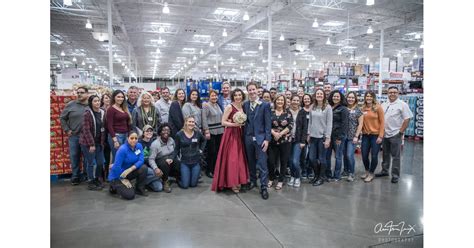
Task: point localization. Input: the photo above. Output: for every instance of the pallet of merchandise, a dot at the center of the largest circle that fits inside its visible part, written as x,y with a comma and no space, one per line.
419,117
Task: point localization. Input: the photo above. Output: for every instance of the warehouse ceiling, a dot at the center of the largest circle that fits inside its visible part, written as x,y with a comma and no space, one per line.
145,36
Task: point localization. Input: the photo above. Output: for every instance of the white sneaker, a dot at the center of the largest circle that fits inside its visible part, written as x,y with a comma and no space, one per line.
291,182
297,183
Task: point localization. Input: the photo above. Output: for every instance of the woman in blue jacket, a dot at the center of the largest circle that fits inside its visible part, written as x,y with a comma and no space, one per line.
128,165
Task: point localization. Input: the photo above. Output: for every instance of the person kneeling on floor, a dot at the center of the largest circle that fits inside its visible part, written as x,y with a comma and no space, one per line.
128,165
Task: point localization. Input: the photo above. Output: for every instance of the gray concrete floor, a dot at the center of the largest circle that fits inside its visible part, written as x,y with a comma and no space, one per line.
338,214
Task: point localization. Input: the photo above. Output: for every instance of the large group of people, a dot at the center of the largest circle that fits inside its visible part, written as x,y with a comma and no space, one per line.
279,139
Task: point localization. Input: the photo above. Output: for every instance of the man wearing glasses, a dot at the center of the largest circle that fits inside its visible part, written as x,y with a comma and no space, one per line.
397,115
71,121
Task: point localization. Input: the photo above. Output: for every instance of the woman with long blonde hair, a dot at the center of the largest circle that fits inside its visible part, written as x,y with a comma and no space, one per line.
145,114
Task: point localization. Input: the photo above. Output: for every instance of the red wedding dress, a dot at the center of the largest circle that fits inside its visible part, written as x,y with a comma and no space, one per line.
231,165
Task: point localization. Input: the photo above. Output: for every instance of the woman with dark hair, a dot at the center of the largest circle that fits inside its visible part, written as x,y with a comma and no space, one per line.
340,126
372,134
162,160
128,165
213,130
266,96
153,182
319,136
302,135
298,134
280,145
92,139
190,144
175,118
193,107
104,105
231,165
119,121
356,121
145,114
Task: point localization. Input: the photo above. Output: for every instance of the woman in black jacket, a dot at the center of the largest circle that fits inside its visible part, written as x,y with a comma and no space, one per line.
306,170
299,133
340,127
176,120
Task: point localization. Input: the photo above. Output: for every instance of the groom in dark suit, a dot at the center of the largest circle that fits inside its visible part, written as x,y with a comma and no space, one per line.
257,136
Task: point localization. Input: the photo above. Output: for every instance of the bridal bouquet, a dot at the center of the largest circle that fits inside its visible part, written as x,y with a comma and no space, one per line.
240,118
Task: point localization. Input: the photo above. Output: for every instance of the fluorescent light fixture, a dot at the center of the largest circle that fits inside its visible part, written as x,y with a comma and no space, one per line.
201,52
211,44
333,23
74,59
369,30
246,16
339,52
67,2
328,42
260,47
370,2
224,33
315,23
63,54
166,10
226,12
371,46
161,29
279,56
88,24
282,37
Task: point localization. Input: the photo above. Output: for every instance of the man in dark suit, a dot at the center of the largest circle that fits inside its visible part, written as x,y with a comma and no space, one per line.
257,136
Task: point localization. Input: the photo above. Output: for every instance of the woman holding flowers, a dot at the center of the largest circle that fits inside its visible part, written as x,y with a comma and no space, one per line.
231,165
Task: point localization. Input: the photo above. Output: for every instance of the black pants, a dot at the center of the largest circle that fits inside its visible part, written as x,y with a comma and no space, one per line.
212,150
116,186
168,169
276,151
107,152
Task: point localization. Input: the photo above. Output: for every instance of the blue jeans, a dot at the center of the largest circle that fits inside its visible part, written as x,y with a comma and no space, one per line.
369,145
121,138
295,160
189,175
317,156
157,185
94,159
75,152
339,150
349,158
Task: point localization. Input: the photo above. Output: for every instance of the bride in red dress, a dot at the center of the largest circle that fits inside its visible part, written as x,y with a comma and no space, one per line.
231,165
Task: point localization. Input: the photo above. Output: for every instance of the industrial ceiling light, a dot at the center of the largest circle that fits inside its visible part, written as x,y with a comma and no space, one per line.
222,63
88,24
241,67
166,10
399,54
63,54
370,30
294,62
243,53
411,62
123,64
115,55
246,16
74,59
119,60
417,36
315,23
339,52
58,66
194,57
279,56
161,29
422,45
95,69
66,66
158,50
415,56
371,46
83,63
370,2
101,38
282,37
160,41
367,59
328,42
260,47
352,57
201,52
224,33
67,2
211,44
90,66
189,62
